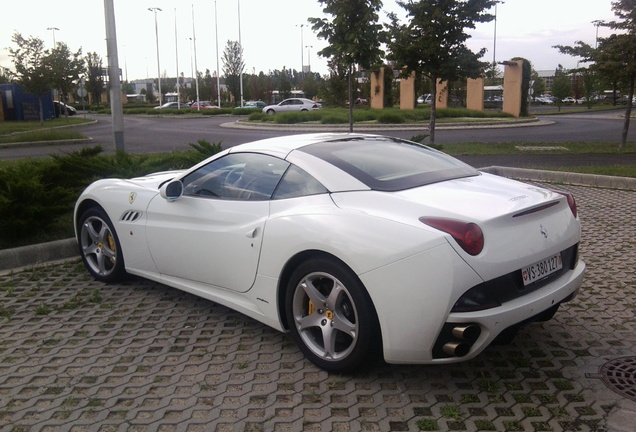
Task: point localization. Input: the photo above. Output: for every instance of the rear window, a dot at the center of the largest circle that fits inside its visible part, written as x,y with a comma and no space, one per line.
390,164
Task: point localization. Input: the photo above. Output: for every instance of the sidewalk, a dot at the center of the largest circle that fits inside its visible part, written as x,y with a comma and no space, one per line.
77,355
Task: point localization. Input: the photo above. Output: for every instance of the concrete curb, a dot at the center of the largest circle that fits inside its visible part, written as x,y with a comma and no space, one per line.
358,127
63,249
593,180
31,255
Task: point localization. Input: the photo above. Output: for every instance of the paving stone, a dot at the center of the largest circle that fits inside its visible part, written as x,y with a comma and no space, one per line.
77,355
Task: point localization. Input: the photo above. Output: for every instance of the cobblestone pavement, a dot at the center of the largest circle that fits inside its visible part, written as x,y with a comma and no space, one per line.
77,355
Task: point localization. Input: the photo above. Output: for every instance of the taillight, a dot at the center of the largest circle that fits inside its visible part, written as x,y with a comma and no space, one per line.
467,234
571,201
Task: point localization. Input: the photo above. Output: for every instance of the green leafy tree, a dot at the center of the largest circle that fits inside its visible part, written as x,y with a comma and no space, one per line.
285,84
538,84
233,66
66,68
433,42
31,68
5,75
354,36
94,77
561,86
614,60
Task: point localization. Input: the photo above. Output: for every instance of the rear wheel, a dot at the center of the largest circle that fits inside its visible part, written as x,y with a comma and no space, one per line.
331,316
99,246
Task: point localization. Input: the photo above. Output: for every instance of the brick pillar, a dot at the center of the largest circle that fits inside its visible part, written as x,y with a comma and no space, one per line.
407,92
475,94
377,89
513,76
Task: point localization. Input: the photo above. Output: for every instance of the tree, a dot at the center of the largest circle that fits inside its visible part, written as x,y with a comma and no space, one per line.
233,66
284,84
561,86
66,68
353,34
615,57
433,43
5,75
94,77
31,69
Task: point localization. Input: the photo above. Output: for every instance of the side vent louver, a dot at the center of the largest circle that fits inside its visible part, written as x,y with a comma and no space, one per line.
131,216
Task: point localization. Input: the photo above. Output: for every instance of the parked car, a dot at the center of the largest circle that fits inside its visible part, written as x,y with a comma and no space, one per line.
568,100
424,99
292,104
172,105
61,109
253,105
544,100
361,246
203,105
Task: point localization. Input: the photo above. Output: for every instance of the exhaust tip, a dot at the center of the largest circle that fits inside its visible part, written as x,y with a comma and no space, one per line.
468,332
456,349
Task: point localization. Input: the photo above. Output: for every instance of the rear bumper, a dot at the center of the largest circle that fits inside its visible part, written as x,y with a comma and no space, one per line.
535,306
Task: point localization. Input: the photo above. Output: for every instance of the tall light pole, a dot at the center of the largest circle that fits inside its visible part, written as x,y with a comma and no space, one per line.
241,46
597,23
196,67
176,52
53,30
125,62
113,76
302,59
218,78
309,47
494,47
155,9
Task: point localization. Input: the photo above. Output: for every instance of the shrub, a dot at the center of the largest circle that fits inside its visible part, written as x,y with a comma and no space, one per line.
390,117
37,196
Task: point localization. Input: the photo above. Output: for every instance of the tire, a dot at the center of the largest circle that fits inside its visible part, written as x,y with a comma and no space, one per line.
271,111
331,316
99,246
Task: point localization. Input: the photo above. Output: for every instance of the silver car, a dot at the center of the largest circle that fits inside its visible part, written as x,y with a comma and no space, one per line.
292,104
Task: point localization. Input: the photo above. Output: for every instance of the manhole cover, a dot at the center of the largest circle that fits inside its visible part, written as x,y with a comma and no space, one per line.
620,376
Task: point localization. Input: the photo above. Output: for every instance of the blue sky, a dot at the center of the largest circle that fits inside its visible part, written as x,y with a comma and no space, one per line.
271,31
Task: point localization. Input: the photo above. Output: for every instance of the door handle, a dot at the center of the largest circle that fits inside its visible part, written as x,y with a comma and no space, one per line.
251,233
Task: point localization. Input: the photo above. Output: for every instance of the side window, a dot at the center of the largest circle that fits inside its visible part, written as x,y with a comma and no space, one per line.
296,183
237,176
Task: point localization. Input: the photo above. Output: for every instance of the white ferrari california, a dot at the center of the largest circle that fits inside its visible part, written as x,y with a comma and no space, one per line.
360,246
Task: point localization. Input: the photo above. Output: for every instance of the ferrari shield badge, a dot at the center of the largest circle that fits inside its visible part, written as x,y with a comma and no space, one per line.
131,197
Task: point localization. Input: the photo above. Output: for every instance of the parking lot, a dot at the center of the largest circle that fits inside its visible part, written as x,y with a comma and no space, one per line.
77,355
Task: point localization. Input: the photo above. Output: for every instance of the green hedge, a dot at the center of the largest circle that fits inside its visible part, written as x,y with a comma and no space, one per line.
37,196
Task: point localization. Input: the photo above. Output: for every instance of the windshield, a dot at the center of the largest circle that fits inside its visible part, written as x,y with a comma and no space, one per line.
390,164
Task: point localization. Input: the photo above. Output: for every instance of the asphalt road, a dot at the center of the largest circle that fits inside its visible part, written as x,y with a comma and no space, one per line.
150,134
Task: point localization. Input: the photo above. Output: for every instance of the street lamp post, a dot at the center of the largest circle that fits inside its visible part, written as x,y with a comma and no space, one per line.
241,46
155,9
309,47
302,59
53,30
196,67
597,23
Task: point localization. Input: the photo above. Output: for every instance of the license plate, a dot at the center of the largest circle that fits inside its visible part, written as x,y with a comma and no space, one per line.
541,269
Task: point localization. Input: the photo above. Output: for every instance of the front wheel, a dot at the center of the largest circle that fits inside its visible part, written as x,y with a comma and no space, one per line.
99,246
331,316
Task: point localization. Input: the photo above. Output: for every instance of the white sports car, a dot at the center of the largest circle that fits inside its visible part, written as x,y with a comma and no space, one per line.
361,246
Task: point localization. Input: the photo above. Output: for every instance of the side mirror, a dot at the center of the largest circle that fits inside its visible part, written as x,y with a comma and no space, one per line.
172,190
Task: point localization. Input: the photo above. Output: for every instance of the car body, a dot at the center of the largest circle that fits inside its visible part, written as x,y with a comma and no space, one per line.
61,109
254,104
361,246
172,105
203,105
292,104
568,100
425,99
